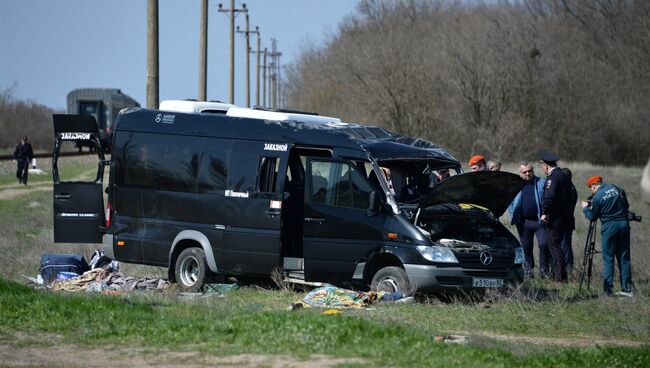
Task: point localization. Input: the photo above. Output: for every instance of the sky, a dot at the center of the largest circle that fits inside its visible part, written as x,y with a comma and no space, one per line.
48,48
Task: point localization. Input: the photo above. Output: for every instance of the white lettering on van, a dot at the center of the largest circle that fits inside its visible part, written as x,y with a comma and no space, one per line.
232,193
75,136
165,119
276,147
67,214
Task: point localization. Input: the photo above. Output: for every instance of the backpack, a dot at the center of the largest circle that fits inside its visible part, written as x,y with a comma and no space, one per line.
52,264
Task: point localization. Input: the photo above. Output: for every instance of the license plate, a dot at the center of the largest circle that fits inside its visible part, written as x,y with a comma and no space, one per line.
487,283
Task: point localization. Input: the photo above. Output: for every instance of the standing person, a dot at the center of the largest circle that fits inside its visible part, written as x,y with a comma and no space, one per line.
494,165
525,213
477,163
556,209
23,154
610,204
567,242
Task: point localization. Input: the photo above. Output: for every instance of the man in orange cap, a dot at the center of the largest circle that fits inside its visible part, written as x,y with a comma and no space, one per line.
609,203
477,163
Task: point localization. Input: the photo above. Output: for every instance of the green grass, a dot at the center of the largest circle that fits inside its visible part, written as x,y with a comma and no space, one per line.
251,320
68,170
234,325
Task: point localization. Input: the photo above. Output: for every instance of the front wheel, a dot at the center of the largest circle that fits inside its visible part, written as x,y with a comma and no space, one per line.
191,269
393,280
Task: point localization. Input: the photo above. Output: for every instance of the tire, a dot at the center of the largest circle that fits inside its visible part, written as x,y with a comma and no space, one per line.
191,269
392,279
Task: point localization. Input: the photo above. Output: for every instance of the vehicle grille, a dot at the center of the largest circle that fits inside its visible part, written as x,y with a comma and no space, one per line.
501,259
487,273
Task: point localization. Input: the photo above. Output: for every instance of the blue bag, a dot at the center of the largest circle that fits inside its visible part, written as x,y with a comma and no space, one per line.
52,264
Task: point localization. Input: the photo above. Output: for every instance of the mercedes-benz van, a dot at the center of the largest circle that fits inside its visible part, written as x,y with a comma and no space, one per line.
316,199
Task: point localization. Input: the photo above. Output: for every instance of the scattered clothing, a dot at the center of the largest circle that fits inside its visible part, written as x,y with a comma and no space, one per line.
330,296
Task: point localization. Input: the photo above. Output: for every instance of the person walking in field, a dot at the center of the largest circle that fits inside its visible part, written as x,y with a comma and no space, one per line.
23,155
609,203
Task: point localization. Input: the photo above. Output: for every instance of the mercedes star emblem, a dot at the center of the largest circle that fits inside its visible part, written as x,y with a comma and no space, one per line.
486,257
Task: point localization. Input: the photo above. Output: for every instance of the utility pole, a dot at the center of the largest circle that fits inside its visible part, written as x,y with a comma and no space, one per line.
203,52
152,54
264,79
247,33
275,72
232,11
257,81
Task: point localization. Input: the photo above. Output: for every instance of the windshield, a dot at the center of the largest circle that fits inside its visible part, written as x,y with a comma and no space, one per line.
411,180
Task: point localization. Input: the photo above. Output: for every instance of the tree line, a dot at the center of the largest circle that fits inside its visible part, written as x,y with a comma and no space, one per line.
502,78
20,118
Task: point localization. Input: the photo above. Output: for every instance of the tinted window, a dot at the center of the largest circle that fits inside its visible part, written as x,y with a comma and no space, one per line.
214,166
159,161
268,174
339,184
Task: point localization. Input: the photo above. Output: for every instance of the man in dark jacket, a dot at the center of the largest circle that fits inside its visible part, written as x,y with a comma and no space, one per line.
556,209
567,240
23,154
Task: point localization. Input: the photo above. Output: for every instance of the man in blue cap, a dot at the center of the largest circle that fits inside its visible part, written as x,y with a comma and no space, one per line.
556,209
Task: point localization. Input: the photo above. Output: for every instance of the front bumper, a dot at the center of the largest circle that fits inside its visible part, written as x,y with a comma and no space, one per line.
427,278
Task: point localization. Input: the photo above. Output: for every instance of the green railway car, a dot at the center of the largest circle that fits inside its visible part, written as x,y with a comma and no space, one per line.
102,103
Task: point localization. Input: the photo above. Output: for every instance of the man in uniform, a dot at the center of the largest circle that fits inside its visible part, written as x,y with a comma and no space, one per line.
556,209
477,163
609,203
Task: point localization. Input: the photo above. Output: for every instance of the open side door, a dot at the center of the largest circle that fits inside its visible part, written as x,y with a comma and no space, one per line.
78,205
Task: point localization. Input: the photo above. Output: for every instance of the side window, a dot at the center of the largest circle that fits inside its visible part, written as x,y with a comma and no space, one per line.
267,175
339,184
160,162
214,167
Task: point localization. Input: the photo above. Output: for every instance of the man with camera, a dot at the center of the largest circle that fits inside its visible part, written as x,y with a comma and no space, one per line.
609,203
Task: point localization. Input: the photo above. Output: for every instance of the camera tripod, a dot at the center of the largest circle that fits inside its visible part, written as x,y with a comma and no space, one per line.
588,255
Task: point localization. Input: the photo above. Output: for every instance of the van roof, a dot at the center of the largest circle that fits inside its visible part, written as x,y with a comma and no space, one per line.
378,142
192,106
280,115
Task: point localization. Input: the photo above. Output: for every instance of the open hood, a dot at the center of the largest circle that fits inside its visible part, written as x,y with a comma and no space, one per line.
493,190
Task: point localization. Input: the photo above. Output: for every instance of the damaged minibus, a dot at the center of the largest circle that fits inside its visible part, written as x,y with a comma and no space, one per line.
252,193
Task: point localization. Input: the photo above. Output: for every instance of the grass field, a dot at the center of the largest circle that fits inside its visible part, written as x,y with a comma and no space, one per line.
539,324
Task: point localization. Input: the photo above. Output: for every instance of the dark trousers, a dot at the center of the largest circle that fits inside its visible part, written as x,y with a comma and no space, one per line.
616,243
555,232
528,231
22,169
567,249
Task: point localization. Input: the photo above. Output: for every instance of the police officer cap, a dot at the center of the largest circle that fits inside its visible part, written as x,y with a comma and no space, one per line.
547,156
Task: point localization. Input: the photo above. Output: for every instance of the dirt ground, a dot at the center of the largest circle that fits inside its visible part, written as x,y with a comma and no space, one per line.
19,353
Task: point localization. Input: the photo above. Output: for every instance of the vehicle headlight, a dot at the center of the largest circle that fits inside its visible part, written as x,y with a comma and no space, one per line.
519,255
437,254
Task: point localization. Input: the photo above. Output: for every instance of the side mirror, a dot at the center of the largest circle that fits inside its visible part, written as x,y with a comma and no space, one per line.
374,199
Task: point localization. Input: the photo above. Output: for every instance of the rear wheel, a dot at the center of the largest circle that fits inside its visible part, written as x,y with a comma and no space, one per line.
393,280
191,269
